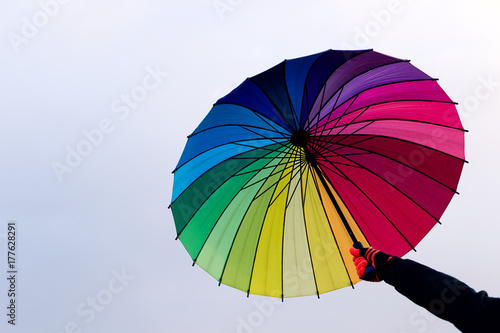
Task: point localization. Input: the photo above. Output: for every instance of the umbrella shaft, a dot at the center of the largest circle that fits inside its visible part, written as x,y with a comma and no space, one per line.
335,204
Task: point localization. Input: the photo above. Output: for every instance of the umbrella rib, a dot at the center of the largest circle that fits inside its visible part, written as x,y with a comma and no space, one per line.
305,100
272,202
340,163
298,183
275,106
375,205
237,231
258,243
354,77
224,144
339,118
272,174
327,166
390,158
411,142
284,218
347,145
265,119
399,101
374,136
353,133
290,104
264,168
307,121
258,114
329,114
263,136
241,158
331,229
354,122
196,211
402,100
305,165
283,176
344,126
274,130
316,125
343,175
215,224
371,152
281,145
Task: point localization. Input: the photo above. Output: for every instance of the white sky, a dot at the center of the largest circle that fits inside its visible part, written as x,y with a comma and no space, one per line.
67,74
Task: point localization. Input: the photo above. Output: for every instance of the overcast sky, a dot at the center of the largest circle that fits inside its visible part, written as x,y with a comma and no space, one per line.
97,98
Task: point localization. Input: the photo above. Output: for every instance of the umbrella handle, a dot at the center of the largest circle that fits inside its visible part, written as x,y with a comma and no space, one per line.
370,272
357,245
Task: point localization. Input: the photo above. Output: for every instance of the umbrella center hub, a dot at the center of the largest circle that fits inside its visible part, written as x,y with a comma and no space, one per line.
300,138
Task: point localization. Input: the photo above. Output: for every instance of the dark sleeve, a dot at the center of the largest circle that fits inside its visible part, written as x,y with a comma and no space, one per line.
444,296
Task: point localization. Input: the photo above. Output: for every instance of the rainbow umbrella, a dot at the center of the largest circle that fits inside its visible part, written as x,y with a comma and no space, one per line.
299,162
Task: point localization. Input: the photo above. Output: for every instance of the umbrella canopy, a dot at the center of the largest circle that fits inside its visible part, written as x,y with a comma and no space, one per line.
300,161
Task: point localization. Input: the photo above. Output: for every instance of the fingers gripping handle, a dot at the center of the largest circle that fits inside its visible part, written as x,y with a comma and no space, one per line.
369,272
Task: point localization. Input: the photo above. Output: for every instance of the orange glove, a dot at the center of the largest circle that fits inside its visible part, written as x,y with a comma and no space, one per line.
370,263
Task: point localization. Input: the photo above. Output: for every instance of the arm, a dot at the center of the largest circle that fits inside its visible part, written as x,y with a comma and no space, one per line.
441,294
444,296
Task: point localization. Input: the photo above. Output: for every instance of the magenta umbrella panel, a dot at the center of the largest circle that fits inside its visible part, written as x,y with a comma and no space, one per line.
310,156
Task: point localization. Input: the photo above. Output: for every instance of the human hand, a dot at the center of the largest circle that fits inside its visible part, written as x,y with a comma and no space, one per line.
366,260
